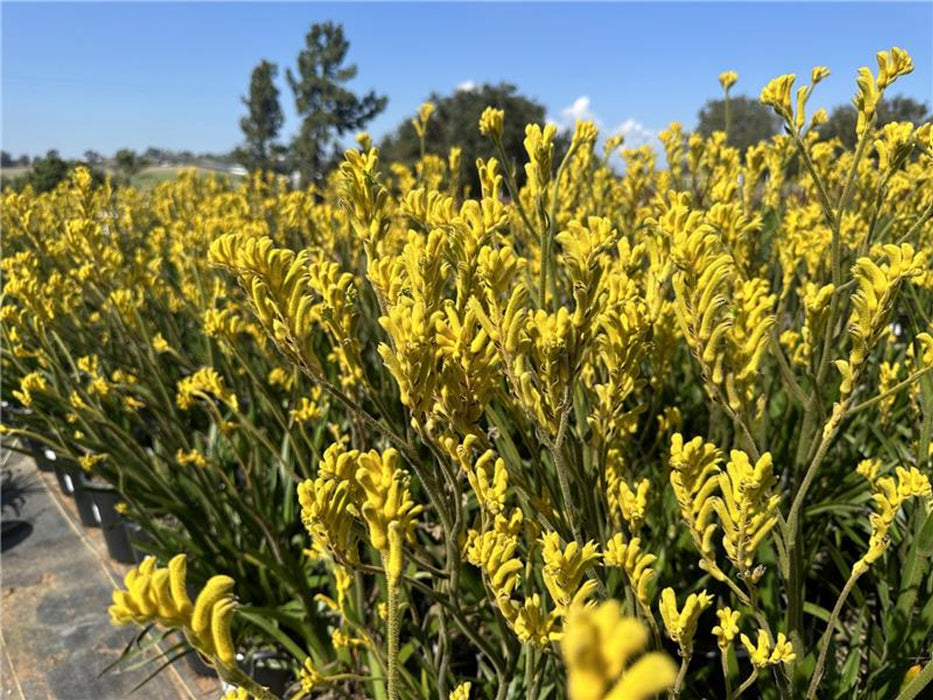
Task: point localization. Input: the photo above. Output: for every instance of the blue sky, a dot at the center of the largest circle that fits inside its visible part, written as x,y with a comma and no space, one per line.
111,75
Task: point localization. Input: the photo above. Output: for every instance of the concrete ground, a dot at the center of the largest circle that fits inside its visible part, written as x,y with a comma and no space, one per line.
55,634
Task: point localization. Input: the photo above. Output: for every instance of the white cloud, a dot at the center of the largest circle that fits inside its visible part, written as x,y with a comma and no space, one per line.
635,133
580,109
466,86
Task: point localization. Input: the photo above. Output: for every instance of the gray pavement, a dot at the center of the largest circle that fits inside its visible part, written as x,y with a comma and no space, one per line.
55,634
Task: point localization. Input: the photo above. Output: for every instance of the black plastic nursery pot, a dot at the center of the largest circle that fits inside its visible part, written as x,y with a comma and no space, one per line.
42,455
67,475
84,500
75,483
271,670
139,539
113,525
196,664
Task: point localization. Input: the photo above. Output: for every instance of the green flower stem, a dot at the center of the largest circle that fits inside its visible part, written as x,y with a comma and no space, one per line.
727,115
747,684
681,674
392,638
787,374
530,663
510,183
893,390
923,679
830,626
548,265
235,676
724,661
927,213
792,531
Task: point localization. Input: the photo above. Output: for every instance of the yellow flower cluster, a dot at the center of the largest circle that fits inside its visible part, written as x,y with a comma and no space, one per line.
205,383
371,487
564,568
889,495
681,625
599,647
871,303
635,563
768,652
156,594
741,496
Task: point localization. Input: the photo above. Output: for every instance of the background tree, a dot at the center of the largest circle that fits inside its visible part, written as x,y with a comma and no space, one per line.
327,108
6,160
842,119
127,162
749,120
154,154
455,122
264,119
46,173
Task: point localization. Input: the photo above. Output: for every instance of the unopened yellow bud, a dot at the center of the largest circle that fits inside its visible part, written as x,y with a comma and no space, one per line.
221,620
776,95
491,123
727,79
217,588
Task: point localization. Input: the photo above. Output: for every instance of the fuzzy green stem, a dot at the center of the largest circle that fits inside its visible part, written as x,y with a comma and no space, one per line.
922,680
392,641
828,634
724,661
893,390
747,684
238,678
681,674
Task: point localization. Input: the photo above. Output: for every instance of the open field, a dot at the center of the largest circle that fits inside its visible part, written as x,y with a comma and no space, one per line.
145,179
149,177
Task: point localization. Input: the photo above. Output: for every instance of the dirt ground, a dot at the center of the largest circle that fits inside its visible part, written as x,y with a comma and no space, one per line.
56,639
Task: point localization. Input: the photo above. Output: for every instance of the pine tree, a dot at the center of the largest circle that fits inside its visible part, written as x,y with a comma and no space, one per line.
328,109
261,126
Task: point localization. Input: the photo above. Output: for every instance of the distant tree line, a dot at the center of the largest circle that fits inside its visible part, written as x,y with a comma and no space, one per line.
43,173
329,110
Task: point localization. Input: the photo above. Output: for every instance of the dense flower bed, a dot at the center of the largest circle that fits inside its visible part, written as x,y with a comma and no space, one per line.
603,435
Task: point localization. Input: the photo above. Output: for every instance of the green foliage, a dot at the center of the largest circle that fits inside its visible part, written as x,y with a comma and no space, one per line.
749,121
128,162
46,173
454,124
327,108
262,124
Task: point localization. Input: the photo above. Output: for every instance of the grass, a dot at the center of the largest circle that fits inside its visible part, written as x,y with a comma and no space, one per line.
147,178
